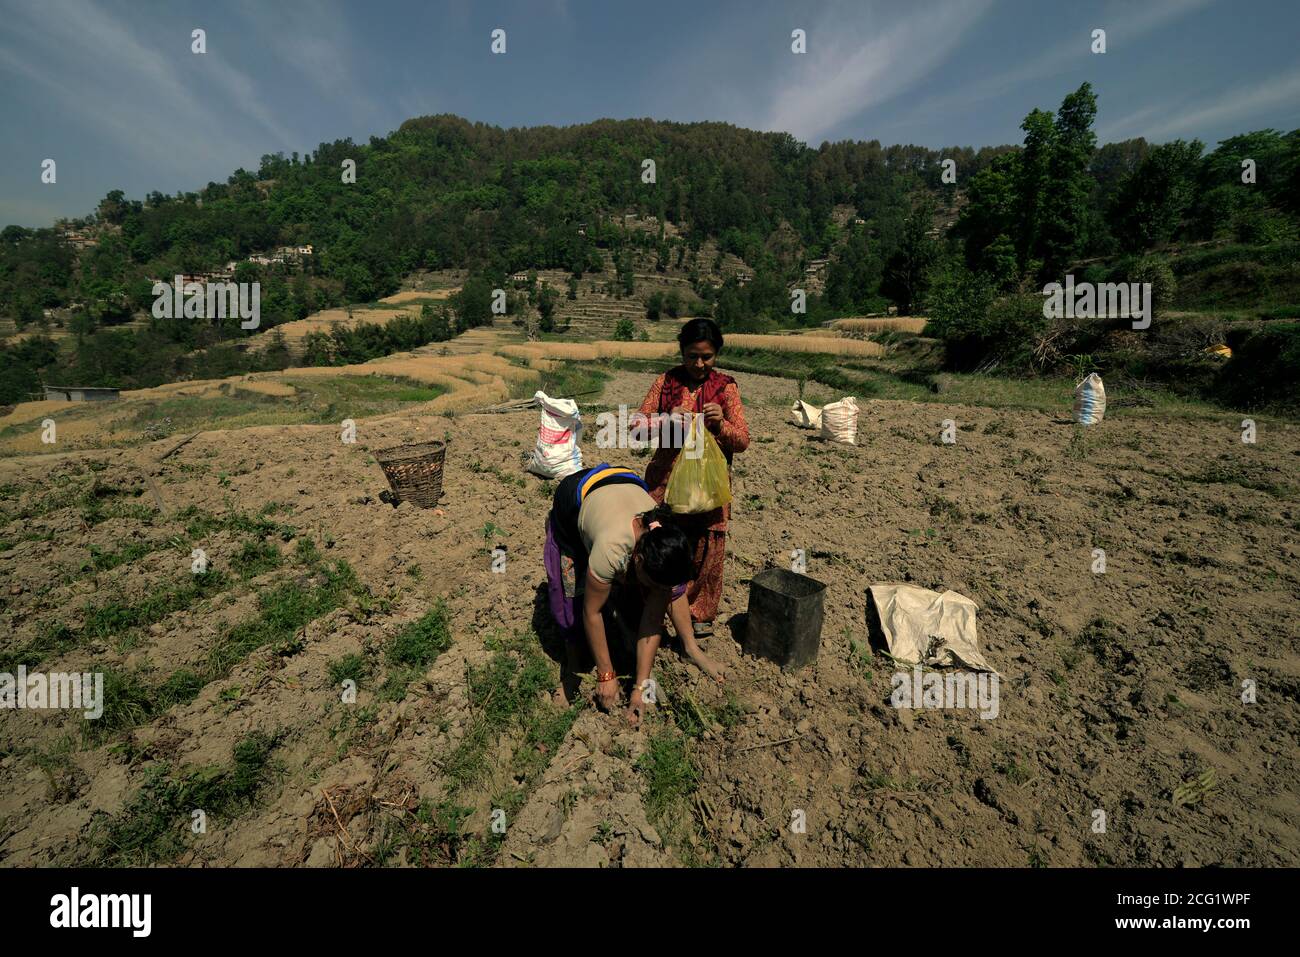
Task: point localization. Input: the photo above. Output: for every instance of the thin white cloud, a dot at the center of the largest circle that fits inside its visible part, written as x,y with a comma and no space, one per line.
853,64
103,73
1124,24
315,40
1238,106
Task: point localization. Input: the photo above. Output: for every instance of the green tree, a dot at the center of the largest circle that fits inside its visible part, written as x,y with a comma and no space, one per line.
546,308
907,272
1065,204
1150,204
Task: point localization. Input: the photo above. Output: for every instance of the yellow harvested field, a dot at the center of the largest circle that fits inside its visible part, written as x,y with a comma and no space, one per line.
475,370
26,411
71,434
414,295
590,351
471,382
298,330
604,349
820,344
405,303
886,324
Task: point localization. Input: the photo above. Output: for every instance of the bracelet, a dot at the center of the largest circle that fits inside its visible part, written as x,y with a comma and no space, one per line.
607,676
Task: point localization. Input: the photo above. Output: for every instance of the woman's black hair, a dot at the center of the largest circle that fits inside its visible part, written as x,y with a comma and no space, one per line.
665,551
700,330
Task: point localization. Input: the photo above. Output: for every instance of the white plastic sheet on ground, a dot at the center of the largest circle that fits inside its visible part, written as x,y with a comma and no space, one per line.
924,627
806,416
556,453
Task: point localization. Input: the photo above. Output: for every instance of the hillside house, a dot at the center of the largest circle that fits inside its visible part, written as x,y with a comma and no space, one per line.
78,393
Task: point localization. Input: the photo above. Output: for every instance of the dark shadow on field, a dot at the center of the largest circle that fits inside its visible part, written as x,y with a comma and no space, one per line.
572,653
556,646
737,624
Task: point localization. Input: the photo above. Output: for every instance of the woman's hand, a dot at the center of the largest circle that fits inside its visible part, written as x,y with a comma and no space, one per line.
607,693
636,707
712,414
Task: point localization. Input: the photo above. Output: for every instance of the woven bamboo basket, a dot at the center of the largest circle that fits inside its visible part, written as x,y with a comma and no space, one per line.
414,472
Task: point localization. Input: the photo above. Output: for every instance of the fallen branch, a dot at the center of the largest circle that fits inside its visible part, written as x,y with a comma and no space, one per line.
769,744
343,831
179,445
518,405
157,496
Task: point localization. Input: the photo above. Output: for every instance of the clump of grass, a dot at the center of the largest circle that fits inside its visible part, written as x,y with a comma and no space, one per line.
284,610
257,557
131,700
306,552
1232,474
66,780
53,638
730,714
115,617
434,834
152,828
670,779
102,561
1009,765
201,524
1098,636
941,507
353,667
414,649
502,693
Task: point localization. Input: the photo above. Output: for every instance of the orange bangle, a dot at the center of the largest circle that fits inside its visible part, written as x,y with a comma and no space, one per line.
608,676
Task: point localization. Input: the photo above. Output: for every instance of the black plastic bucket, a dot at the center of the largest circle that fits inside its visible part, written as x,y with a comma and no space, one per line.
784,624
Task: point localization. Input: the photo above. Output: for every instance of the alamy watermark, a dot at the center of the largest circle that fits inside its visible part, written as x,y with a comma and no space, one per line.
57,690
209,300
637,430
1087,300
75,909
930,689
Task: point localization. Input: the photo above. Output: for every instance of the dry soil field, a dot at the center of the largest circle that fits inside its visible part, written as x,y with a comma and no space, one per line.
1117,689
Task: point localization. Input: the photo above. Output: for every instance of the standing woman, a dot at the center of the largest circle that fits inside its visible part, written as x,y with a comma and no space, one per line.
696,386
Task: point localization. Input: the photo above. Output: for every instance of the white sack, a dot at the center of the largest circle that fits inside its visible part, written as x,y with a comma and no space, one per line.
556,453
1089,400
840,421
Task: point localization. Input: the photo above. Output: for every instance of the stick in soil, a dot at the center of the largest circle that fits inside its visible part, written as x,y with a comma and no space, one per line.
769,744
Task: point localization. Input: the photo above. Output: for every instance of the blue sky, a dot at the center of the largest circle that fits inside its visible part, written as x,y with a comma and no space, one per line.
111,90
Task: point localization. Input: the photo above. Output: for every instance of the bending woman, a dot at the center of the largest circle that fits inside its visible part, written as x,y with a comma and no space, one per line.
608,544
696,386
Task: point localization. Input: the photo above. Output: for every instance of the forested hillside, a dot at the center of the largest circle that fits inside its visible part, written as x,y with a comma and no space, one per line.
896,225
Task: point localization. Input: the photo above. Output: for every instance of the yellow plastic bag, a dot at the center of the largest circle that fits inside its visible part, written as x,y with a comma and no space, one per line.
699,480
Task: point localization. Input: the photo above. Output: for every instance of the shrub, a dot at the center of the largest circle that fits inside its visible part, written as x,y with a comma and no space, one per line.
1264,370
1163,285
979,328
624,330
